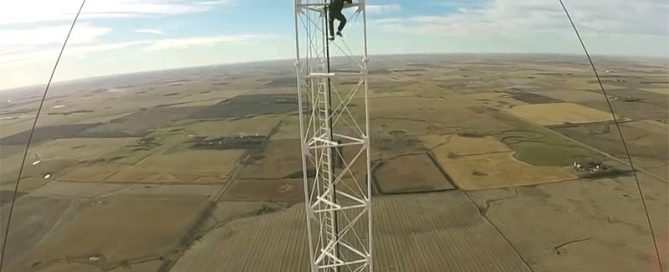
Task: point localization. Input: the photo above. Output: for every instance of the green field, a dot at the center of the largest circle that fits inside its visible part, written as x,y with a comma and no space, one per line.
544,148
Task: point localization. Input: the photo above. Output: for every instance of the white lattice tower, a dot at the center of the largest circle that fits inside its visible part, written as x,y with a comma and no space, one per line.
334,132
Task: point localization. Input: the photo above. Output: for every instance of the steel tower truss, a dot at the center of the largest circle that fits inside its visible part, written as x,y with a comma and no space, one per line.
334,132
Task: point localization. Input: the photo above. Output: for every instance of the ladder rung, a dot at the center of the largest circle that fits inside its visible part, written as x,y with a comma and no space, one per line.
320,75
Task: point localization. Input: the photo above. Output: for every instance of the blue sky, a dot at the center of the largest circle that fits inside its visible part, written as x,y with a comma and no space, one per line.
121,36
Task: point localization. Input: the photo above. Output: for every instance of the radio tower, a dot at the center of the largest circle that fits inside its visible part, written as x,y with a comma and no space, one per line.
334,133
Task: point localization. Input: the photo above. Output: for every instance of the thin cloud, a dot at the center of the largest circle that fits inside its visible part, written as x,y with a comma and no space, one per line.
36,11
182,43
381,9
50,35
150,31
81,51
37,54
33,54
526,17
36,44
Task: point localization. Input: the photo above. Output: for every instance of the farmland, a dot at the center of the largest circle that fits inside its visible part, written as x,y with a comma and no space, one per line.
473,167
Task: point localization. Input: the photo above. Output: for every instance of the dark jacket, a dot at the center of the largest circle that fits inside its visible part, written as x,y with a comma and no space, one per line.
338,5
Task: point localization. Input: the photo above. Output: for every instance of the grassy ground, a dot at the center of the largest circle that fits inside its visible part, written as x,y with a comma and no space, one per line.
559,113
410,174
543,148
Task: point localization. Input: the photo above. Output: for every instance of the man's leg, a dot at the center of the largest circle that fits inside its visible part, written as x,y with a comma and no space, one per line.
342,22
331,19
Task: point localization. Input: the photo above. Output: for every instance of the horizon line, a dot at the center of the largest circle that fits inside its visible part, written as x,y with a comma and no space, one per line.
75,80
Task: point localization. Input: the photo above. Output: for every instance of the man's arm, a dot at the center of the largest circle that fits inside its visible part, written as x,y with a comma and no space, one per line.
349,1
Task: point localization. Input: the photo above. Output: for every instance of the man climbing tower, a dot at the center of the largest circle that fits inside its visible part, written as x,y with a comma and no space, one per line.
336,6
